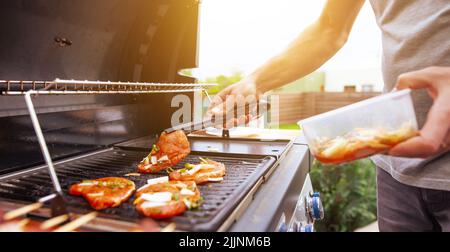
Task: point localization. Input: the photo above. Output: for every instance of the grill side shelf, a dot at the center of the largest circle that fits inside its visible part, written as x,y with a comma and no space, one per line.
212,146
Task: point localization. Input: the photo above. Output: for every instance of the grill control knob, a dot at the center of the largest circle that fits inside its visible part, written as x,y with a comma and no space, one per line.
314,207
308,228
283,227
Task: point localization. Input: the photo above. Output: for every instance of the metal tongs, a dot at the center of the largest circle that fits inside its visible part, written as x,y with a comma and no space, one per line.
187,128
57,203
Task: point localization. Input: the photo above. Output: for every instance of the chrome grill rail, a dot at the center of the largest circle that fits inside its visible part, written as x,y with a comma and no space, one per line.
60,87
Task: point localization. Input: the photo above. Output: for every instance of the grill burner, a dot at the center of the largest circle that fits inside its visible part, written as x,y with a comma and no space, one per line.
220,199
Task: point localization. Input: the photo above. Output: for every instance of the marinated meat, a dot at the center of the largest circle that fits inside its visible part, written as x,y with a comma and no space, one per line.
167,199
168,151
207,171
359,143
104,192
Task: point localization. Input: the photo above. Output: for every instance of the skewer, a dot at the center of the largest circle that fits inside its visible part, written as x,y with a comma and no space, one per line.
71,226
169,228
26,209
147,225
22,211
23,223
14,226
50,223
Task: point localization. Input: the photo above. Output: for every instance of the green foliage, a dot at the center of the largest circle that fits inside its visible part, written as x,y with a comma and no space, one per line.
293,126
223,81
348,194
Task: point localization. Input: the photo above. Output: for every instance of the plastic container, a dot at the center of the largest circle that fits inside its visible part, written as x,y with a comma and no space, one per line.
361,129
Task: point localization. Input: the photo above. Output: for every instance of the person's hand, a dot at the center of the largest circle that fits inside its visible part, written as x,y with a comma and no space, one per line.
434,137
242,92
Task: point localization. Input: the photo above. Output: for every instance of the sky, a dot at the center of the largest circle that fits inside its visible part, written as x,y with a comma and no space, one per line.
243,34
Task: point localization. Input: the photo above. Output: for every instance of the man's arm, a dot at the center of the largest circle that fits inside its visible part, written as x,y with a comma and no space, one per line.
315,45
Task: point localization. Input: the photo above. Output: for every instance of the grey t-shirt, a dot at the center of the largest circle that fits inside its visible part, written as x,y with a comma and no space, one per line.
416,35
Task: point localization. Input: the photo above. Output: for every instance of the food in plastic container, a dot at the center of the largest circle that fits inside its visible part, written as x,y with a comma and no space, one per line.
362,129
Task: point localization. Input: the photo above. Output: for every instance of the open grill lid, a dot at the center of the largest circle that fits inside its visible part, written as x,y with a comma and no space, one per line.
138,41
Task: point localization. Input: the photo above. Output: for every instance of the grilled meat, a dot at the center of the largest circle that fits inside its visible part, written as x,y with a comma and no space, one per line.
167,199
168,151
104,192
207,171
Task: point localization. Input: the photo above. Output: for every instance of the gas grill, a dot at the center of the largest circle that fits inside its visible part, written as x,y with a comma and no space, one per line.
97,129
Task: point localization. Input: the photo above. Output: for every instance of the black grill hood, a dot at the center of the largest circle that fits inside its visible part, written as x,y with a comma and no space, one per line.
117,40
97,40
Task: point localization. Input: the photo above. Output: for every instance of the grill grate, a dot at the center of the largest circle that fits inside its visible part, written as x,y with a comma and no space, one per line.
219,198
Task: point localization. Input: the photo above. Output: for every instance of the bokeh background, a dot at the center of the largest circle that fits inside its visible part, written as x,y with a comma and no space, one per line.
236,36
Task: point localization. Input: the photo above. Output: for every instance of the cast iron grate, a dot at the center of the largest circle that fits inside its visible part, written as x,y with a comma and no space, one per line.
220,199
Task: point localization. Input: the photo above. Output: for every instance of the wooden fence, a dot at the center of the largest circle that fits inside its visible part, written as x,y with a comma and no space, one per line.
296,106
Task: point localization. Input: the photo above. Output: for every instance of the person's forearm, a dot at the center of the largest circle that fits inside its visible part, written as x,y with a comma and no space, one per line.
318,43
307,53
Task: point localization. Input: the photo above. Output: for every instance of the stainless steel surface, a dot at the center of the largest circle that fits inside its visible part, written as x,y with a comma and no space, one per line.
47,198
217,146
301,216
13,87
277,196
